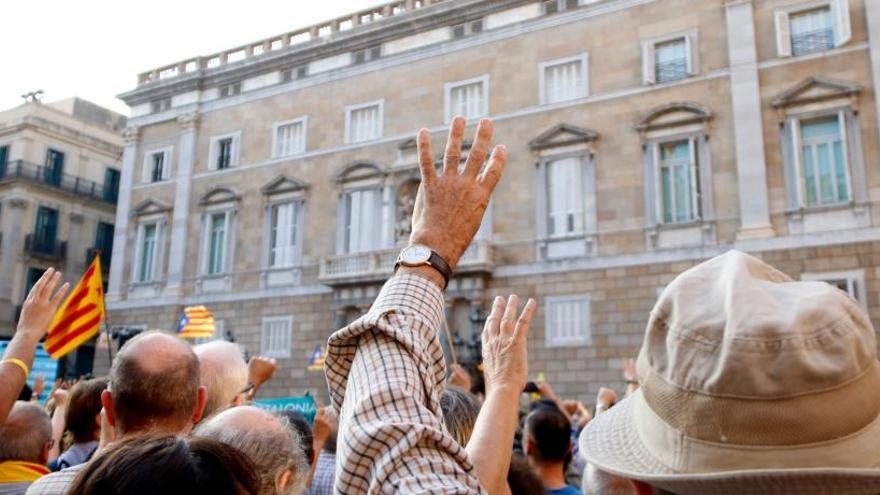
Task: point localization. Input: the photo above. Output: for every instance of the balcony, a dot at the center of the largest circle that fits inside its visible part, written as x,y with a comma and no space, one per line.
45,248
377,266
19,169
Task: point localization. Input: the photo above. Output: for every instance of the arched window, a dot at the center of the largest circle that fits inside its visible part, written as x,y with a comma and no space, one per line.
361,225
283,232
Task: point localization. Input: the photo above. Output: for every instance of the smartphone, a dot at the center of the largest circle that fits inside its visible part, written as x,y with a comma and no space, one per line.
531,388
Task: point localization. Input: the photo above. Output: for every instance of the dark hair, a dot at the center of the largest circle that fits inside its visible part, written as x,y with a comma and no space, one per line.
300,424
142,398
83,406
522,478
550,431
149,465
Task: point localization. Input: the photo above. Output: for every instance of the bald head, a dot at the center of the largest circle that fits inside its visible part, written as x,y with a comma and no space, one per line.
25,434
224,374
154,384
269,443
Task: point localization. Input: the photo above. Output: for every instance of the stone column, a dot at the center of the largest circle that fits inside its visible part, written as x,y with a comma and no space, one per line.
186,155
123,214
872,19
745,97
12,245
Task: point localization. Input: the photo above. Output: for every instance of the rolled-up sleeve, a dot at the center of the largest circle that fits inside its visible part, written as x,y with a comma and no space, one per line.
385,372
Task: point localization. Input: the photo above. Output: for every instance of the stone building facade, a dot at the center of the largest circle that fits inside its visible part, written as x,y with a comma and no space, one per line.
59,181
644,136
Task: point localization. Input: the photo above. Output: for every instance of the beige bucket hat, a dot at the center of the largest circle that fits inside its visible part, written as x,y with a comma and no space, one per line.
750,383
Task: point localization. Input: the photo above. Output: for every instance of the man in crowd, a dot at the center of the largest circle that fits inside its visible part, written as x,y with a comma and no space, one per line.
154,388
547,443
273,447
750,383
224,374
24,447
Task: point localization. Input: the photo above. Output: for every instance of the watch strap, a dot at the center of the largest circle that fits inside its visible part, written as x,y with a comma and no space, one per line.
441,265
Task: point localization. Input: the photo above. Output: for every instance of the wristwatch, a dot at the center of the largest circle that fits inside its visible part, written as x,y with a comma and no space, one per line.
420,255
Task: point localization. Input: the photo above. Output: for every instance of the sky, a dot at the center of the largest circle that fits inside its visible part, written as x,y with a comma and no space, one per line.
94,49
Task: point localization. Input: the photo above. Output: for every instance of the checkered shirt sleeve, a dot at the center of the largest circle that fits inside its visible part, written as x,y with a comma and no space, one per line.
386,372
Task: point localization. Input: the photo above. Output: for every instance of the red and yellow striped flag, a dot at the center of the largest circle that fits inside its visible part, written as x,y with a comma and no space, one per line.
195,323
80,317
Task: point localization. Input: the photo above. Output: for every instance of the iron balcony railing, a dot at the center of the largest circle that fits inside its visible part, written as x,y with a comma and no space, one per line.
812,41
48,248
75,185
671,70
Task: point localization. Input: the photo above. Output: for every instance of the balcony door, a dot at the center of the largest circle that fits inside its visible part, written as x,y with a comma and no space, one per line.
111,185
54,167
46,229
363,220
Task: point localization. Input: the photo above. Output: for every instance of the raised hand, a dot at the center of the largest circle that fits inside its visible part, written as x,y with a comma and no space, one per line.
505,357
41,304
261,369
450,204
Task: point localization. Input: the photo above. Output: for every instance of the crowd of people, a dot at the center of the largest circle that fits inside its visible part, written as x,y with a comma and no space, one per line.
747,382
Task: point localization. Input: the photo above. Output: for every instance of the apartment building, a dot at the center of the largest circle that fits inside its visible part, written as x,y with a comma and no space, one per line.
274,182
59,183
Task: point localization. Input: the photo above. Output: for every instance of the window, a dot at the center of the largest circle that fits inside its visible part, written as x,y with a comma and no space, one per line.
4,159
104,242
285,244
290,138
157,165
216,240
148,241
553,6
367,54
851,282
276,336
467,28
677,166
230,90
563,80
160,105
467,98
565,194
670,58
567,321
364,122
823,154
111,184
45,230
296,73
224,151
54,167
362,220
812,28
33,276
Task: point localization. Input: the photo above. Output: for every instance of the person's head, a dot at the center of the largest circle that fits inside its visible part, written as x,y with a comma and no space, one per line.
83,417
273,447
522,479
460,409
224,373
25,435
547,436
147,465
300,424
743,375
154,386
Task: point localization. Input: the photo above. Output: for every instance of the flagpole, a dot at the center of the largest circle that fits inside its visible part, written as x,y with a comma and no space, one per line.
449,340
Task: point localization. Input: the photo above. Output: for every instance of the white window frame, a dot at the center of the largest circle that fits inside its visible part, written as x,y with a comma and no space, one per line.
840,18
855,282
551,337
692,44
278,349
229,242
447,97
579,227
304,122
694,179
797,155
214,150
157,250
584,89
297,247
147,168
360,106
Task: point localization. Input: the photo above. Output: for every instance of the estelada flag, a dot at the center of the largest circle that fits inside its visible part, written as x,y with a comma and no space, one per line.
316,362
196,322
79,318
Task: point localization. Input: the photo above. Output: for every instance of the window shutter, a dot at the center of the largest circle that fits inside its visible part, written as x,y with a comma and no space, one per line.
695,177
648,68
341,248
842,24
650,182
690,48
543,200
790,164
783,35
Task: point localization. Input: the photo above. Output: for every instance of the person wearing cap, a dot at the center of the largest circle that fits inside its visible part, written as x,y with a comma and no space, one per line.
750,383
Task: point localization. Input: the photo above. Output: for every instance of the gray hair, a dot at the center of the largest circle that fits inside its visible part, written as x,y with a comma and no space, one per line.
273,450
224,373
25,433
460,409
596,482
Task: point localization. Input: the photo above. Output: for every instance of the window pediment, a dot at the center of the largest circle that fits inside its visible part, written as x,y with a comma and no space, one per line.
563,135
150,207
220,194
816,89
283,184
359,171
676,114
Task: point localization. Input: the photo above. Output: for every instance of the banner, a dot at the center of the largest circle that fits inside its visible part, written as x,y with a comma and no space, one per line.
304,405
43,366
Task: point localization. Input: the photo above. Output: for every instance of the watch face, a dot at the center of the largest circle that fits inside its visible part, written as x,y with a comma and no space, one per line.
415,255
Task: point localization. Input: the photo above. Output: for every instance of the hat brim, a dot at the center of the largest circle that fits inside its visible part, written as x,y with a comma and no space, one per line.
611,443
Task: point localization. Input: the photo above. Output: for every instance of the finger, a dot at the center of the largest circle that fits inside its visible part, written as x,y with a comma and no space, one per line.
525,320
452,155
426,158
494,320
507,322
51,284
59,296
492,174
477,154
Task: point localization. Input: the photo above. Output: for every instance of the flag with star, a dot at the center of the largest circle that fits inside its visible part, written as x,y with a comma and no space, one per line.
196,322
